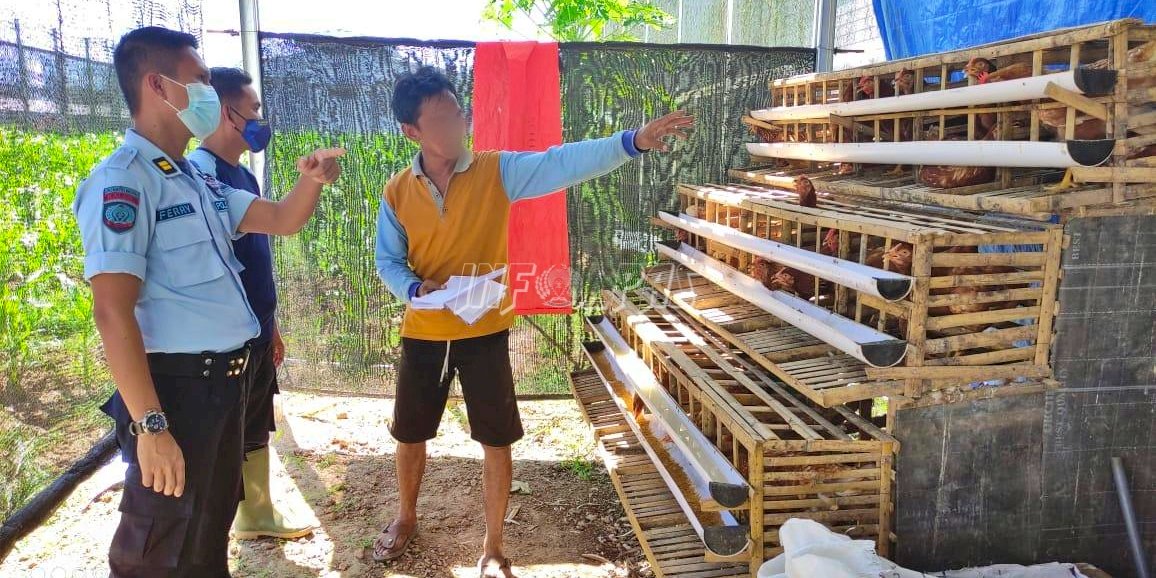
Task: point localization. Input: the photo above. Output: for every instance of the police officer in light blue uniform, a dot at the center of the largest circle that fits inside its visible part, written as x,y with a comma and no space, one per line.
171,310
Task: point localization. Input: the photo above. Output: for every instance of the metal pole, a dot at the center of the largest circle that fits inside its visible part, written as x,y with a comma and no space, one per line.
730,11
25,90
1137,547
824,35
251,61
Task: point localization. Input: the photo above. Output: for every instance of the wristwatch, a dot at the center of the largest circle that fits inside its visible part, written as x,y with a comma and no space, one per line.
153,422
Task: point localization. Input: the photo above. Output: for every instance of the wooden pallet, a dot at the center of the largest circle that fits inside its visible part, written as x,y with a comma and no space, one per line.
664,533
796,454
971,317
1128,184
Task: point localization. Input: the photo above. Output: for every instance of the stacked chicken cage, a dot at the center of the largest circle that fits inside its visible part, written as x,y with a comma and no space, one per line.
899,245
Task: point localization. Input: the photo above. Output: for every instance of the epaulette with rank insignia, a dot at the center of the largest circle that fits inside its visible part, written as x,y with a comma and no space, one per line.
165,166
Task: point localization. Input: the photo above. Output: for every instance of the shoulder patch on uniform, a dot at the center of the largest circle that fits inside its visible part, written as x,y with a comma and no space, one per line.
213,184
175,212
221,205
120,208
165,166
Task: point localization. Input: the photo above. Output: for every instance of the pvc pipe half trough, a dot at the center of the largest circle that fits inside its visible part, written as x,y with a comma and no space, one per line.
1082,80
727,485
886,285
864,343
978,153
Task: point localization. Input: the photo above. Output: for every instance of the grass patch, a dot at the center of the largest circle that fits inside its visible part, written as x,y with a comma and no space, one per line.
581,467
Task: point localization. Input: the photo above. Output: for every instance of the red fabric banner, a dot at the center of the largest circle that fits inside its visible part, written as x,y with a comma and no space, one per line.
518,107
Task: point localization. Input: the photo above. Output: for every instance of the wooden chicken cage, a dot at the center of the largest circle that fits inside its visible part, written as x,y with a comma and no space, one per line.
832,465
975,316
1113,62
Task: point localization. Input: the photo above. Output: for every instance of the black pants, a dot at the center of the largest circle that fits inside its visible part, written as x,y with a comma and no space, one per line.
162,536
423,382
259,419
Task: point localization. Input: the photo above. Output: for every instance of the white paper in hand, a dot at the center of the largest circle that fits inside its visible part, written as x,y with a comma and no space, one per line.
468,297
454,288
484,296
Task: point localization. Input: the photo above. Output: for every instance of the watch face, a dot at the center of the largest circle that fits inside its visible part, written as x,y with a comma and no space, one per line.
155,423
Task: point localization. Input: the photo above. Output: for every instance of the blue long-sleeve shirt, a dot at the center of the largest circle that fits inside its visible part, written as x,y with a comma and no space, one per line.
525,175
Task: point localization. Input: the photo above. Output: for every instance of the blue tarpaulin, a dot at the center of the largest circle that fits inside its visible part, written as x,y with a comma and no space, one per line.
915,27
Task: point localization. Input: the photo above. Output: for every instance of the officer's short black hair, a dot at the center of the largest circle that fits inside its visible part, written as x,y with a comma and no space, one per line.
143,51
415,88
229,82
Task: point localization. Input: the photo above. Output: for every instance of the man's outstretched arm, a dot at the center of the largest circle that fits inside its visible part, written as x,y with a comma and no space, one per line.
526,175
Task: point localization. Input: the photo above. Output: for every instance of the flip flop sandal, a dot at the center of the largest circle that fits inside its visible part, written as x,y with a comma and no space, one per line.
505,567
394,540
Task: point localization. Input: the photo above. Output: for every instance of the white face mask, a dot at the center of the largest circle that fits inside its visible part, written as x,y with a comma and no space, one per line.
204,111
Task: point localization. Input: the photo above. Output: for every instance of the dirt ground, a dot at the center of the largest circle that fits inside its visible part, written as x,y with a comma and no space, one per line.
337,468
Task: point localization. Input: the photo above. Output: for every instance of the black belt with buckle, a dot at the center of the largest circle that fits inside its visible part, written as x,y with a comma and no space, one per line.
205,365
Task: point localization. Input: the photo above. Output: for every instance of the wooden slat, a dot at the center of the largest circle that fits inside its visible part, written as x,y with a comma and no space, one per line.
1020,259
1023,294
982,317
964,373
988,358
983,339
947,281
774,460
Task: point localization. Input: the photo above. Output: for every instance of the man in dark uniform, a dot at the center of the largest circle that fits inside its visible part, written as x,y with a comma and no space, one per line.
242,129
171,311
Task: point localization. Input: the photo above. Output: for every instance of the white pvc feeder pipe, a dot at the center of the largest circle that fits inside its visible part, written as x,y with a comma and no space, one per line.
872,347
726,485
979,153
728,539
886,285
1083,81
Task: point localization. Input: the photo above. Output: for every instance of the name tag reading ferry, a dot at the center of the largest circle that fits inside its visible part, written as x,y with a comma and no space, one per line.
175,212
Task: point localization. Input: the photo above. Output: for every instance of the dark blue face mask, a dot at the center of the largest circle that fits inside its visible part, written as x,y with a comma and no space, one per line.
256,133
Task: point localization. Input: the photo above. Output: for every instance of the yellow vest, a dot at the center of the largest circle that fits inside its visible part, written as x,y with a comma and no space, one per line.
467,238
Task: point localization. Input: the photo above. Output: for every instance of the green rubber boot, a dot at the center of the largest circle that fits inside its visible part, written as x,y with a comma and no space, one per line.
256,516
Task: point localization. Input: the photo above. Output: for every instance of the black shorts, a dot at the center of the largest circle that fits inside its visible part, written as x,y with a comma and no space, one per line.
483,367
259,419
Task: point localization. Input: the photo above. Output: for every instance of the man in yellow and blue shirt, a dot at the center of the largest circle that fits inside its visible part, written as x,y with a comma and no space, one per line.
448,215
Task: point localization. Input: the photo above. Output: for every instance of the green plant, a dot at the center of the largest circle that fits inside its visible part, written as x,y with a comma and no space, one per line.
51,376
325,463
44,303
582,20
581,467
455,410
